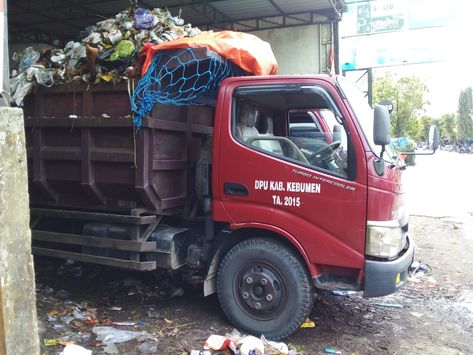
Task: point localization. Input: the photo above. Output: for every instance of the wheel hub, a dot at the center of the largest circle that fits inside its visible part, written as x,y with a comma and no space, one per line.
260,289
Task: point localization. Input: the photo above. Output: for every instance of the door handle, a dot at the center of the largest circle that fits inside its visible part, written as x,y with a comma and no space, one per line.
233,188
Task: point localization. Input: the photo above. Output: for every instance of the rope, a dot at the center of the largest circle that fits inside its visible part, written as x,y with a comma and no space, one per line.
131,89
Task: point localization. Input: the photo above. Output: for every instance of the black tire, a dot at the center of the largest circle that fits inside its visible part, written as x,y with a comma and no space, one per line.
243,292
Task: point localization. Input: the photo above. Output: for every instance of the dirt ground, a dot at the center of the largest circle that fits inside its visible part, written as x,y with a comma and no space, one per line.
436,315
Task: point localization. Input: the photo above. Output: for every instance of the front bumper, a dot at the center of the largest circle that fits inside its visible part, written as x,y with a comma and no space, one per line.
381,277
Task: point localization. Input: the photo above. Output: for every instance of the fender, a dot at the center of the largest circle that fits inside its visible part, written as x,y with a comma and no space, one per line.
221,245
224,242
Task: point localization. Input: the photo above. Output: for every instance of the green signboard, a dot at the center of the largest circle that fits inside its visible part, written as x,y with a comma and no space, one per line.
380,16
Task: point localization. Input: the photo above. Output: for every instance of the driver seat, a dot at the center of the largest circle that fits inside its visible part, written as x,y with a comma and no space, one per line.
247,118
272,146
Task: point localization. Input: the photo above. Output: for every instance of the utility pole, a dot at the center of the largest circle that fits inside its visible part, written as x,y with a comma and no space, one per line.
5,72
18,319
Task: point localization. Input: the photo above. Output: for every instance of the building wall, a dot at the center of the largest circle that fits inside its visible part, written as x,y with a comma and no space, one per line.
299,50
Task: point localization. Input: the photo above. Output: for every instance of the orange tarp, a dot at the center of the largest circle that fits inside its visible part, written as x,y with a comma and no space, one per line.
245,50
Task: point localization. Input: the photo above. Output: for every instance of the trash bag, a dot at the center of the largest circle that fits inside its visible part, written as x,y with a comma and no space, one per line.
19,88
73,349
106,25
149,346
177,21
111,335
15,81
30,57
144,19
93,38
42,76
58,57
251,345
169,36
120,64
115,36
124,49
74,51
110,348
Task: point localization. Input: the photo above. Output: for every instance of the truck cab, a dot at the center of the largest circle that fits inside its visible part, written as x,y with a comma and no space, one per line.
295,174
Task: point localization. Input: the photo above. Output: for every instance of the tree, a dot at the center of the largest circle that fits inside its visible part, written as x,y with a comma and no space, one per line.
447,127
424,126
465,112
415,128
407,95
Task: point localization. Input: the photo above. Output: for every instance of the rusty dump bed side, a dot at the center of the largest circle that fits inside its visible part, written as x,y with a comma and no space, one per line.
98,163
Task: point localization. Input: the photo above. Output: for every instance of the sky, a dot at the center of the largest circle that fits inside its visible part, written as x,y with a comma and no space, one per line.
435,33
447,78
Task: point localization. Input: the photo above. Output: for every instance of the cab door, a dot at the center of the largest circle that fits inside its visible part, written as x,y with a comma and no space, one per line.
304,190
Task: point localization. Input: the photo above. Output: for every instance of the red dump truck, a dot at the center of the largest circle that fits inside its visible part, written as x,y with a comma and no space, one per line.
286,187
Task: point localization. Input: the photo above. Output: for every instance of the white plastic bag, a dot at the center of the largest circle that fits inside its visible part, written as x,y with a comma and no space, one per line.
111,335
19,88
73,349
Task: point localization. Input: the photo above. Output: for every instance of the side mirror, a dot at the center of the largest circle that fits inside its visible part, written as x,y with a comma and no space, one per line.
434,142
381,126
388,105
434,138
337,133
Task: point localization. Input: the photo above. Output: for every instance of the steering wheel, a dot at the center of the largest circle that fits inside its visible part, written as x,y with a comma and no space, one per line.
323,155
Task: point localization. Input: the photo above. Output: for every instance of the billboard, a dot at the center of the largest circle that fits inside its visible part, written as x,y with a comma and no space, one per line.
394,32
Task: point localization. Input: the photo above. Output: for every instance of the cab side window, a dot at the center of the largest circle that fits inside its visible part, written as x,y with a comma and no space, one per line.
311,136
321,138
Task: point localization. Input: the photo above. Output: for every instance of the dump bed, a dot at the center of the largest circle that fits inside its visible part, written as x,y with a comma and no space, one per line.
97,162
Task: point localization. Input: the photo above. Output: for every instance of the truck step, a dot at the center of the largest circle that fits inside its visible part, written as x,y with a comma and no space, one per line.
336,284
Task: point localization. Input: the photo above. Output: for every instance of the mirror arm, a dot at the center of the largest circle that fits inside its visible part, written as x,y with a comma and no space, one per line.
383,149
379,163
414,153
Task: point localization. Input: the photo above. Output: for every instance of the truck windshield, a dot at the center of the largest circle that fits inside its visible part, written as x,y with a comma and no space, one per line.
364,114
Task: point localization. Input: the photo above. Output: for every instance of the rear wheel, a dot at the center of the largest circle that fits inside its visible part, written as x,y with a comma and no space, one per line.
264,288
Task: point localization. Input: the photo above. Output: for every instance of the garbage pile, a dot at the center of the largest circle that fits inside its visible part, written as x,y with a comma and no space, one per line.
108,320
85,309
106,51
240,344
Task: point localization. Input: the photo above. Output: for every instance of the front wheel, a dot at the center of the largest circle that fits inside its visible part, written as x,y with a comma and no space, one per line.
264,288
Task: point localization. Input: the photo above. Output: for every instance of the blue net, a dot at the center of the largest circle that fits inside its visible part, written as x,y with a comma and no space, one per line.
181,77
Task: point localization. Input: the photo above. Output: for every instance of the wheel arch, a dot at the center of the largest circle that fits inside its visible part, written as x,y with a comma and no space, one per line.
228,238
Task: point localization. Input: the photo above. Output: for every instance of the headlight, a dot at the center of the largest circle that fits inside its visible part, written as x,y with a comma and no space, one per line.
384,239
